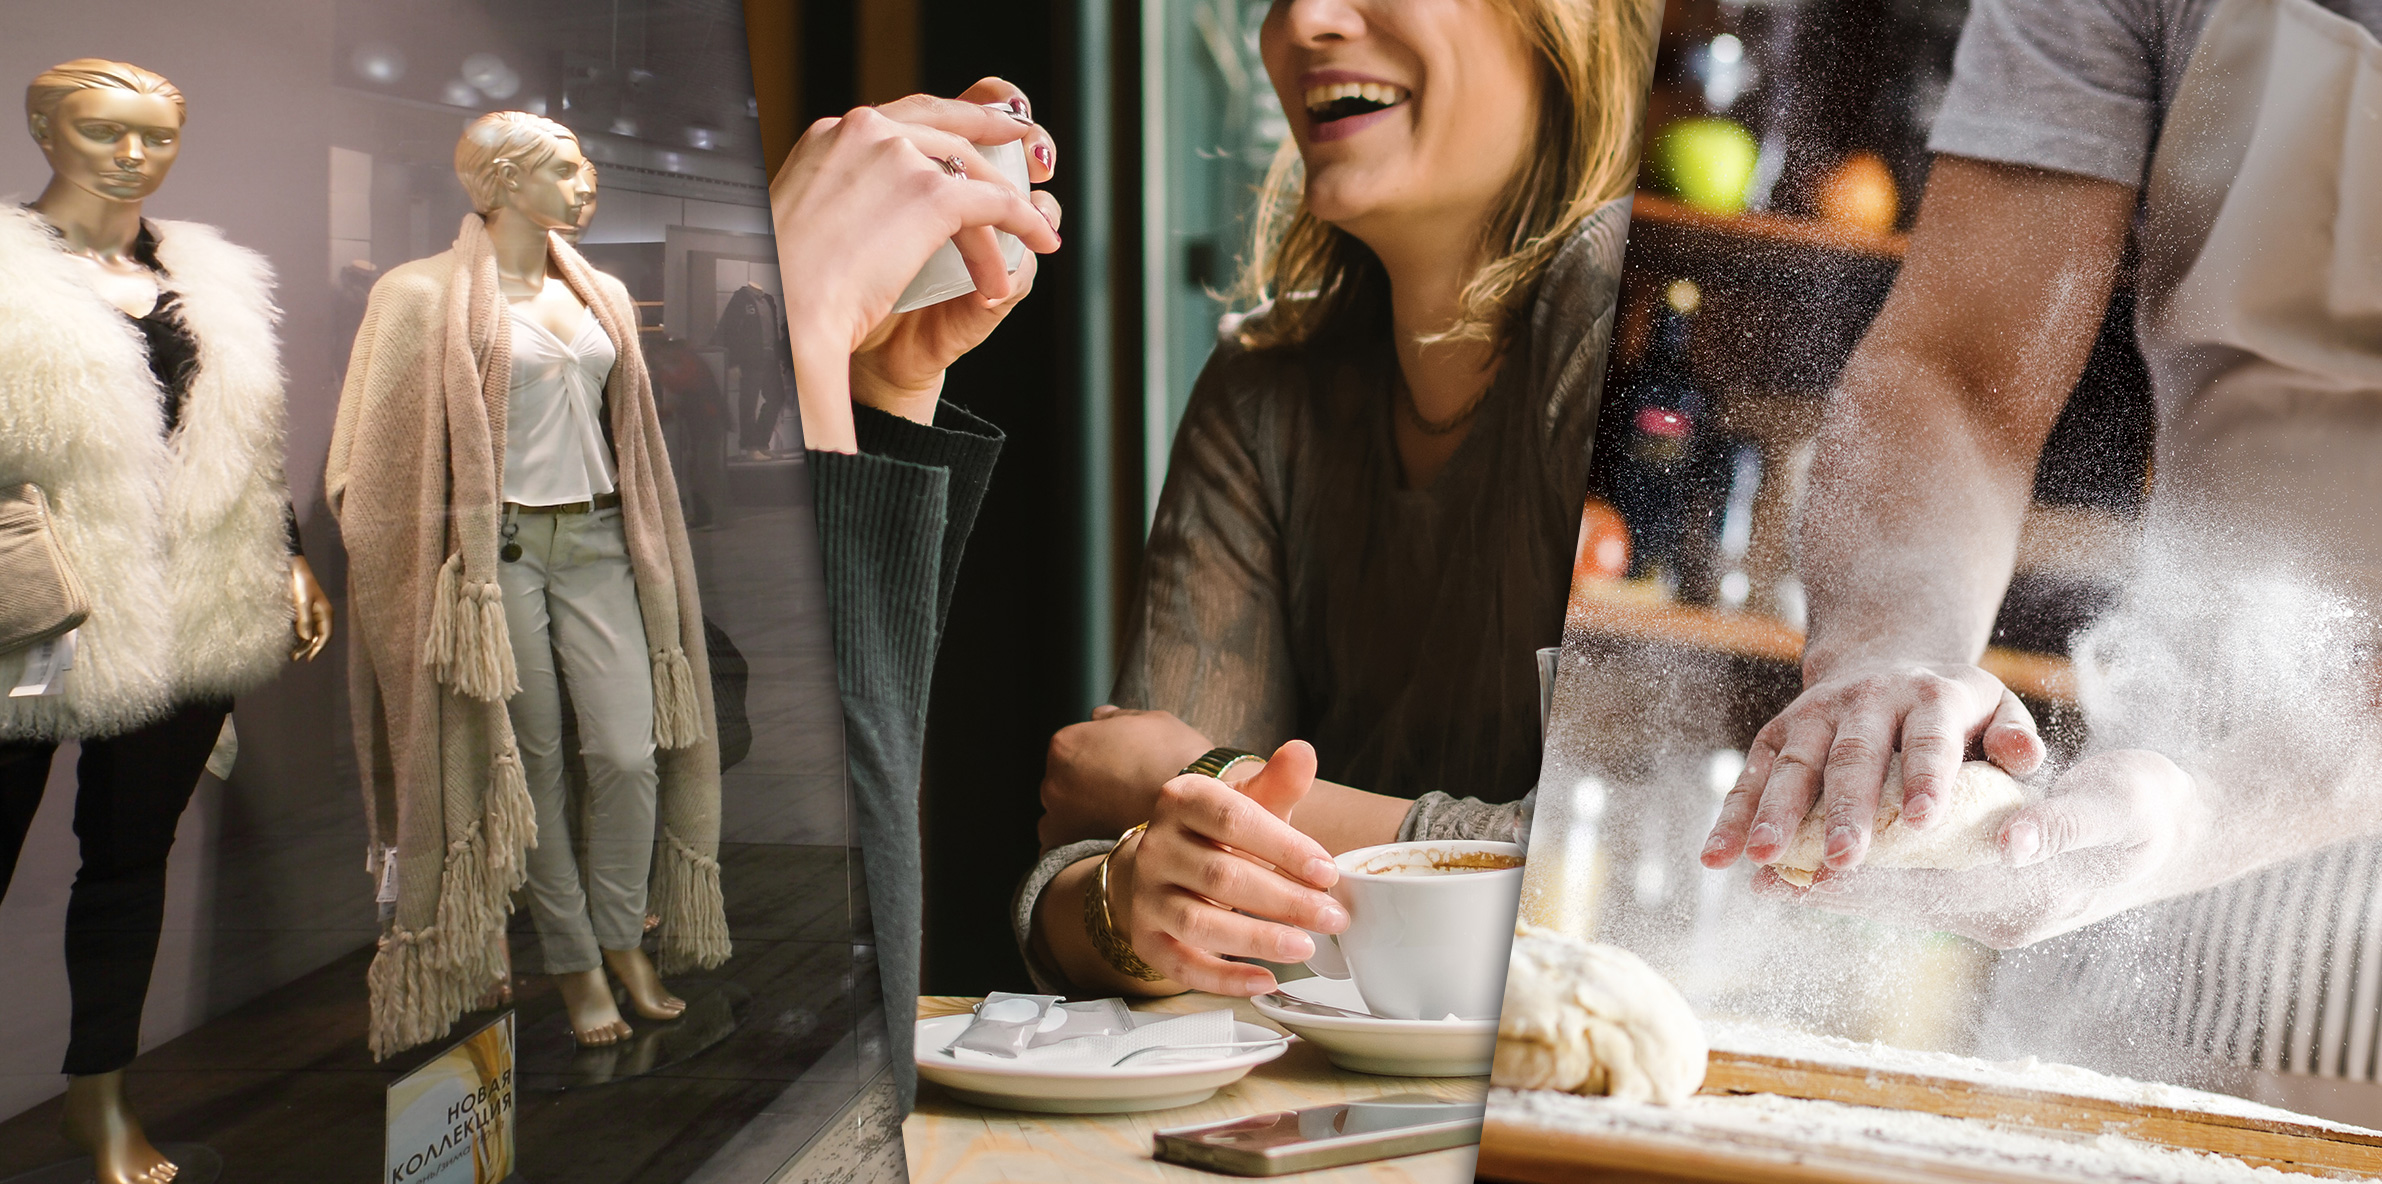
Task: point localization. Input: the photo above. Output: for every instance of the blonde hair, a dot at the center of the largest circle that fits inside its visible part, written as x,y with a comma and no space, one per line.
1595,58
499,138
51,86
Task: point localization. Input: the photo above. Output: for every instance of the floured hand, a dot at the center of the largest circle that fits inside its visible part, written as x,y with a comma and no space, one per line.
1964,831
2104,839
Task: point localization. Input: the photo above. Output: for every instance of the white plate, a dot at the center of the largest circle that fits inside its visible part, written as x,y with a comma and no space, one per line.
1126,1088
1369,1044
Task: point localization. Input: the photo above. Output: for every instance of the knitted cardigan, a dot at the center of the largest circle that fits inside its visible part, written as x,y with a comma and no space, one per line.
894,520
415,477
179,541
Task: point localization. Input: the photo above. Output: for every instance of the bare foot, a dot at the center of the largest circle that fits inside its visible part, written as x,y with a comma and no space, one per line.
100,1121
646,992
501,992
595,1018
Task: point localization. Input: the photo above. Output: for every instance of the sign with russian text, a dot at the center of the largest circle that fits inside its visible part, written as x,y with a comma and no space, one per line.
451,1121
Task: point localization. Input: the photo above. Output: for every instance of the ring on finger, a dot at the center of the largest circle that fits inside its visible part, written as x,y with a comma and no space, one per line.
954,166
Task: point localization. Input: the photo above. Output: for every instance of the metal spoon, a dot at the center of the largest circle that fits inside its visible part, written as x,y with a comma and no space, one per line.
1279,1040
1294,1003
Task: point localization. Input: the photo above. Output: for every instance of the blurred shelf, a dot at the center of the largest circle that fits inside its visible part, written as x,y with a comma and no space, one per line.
1654,209
1629,611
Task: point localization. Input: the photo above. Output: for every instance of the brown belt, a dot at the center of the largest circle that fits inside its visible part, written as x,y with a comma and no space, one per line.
603,501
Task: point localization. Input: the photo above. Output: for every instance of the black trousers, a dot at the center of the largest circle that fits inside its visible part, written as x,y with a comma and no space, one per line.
763,388
131,790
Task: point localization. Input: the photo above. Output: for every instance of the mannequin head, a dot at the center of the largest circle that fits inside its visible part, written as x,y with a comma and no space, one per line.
527,165
110,129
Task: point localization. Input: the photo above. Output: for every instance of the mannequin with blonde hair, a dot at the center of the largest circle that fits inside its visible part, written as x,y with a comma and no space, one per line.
498,455
140,386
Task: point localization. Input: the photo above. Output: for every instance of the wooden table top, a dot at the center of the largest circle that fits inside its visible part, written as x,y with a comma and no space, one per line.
952,1142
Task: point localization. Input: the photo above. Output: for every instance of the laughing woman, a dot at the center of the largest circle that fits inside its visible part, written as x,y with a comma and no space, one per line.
1369,516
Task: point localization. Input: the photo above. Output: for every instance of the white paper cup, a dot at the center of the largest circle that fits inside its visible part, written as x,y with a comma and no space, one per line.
946,274
1423,944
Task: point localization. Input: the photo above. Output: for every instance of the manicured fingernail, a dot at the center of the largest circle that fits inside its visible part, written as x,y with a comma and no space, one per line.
1763,835
1042,153
1294,947
2024,842
1321,871
1019,107
1332,919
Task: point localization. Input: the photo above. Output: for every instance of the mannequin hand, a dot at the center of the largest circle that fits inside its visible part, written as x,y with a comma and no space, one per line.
1214,852
899,368
860,206
1103,775
1832,743
2103,840
313,610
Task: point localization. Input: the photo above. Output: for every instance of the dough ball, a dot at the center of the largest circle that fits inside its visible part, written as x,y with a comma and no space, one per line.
1594,1019
1959,836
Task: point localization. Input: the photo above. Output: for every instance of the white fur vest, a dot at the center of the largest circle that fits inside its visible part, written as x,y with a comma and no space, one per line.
179,541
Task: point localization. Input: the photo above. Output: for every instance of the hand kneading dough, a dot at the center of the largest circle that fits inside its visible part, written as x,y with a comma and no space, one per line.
1960,835
1593,1019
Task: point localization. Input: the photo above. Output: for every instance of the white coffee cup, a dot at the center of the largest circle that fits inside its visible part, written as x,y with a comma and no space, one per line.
1427,938
946,274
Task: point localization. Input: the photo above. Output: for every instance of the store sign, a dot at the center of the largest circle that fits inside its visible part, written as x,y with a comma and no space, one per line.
451,1121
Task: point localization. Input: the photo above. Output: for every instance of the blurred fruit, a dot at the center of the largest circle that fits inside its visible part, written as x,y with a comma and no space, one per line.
1603,552
1860,193
1708,163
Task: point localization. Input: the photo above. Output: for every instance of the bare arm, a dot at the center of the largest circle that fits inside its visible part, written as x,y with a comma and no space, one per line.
1924,467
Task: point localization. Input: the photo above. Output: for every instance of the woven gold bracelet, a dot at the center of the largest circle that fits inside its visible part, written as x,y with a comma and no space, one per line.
1102,928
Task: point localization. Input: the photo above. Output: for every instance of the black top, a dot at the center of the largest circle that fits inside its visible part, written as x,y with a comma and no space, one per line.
1293,585
174,351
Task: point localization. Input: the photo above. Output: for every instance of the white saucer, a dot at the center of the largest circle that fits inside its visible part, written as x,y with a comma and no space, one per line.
1130,1087
1369,1044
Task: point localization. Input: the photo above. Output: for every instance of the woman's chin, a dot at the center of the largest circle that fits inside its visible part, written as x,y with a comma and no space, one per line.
1347,201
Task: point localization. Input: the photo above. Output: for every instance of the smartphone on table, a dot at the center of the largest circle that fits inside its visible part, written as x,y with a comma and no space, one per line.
1324,1136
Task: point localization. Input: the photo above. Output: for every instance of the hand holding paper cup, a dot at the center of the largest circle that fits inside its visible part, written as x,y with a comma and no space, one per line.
946,273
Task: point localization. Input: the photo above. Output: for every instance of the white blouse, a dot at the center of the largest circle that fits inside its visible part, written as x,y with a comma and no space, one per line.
555,452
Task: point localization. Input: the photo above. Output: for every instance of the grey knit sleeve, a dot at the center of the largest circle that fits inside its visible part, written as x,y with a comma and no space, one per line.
1048,979
1438,816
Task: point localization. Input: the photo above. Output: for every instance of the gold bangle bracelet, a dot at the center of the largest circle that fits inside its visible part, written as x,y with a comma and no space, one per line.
1102,928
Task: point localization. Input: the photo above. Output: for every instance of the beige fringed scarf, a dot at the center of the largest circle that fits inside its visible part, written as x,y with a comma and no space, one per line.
416,477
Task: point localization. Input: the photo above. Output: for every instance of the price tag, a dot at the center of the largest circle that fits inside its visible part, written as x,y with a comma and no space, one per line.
46,664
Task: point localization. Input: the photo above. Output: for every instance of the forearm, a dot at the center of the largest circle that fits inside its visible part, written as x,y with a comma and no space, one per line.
1927,457
1911,524
1343,818
823,393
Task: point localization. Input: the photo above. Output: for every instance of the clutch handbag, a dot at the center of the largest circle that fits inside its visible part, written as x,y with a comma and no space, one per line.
40,597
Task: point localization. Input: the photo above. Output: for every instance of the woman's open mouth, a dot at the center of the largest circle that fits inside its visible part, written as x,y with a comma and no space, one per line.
1334,102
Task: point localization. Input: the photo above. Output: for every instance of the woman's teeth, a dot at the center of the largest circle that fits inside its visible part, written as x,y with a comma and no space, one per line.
1343,99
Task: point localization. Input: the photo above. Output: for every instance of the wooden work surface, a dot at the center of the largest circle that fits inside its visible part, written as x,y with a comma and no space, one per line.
952,1142
1527,1154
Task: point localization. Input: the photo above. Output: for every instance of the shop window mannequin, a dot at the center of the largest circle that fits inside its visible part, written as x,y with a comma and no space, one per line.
140,387
500,478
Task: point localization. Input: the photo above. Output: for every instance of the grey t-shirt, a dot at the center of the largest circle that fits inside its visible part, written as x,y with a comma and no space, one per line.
2077,86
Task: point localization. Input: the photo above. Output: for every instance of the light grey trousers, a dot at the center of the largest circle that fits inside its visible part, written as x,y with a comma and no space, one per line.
571,605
